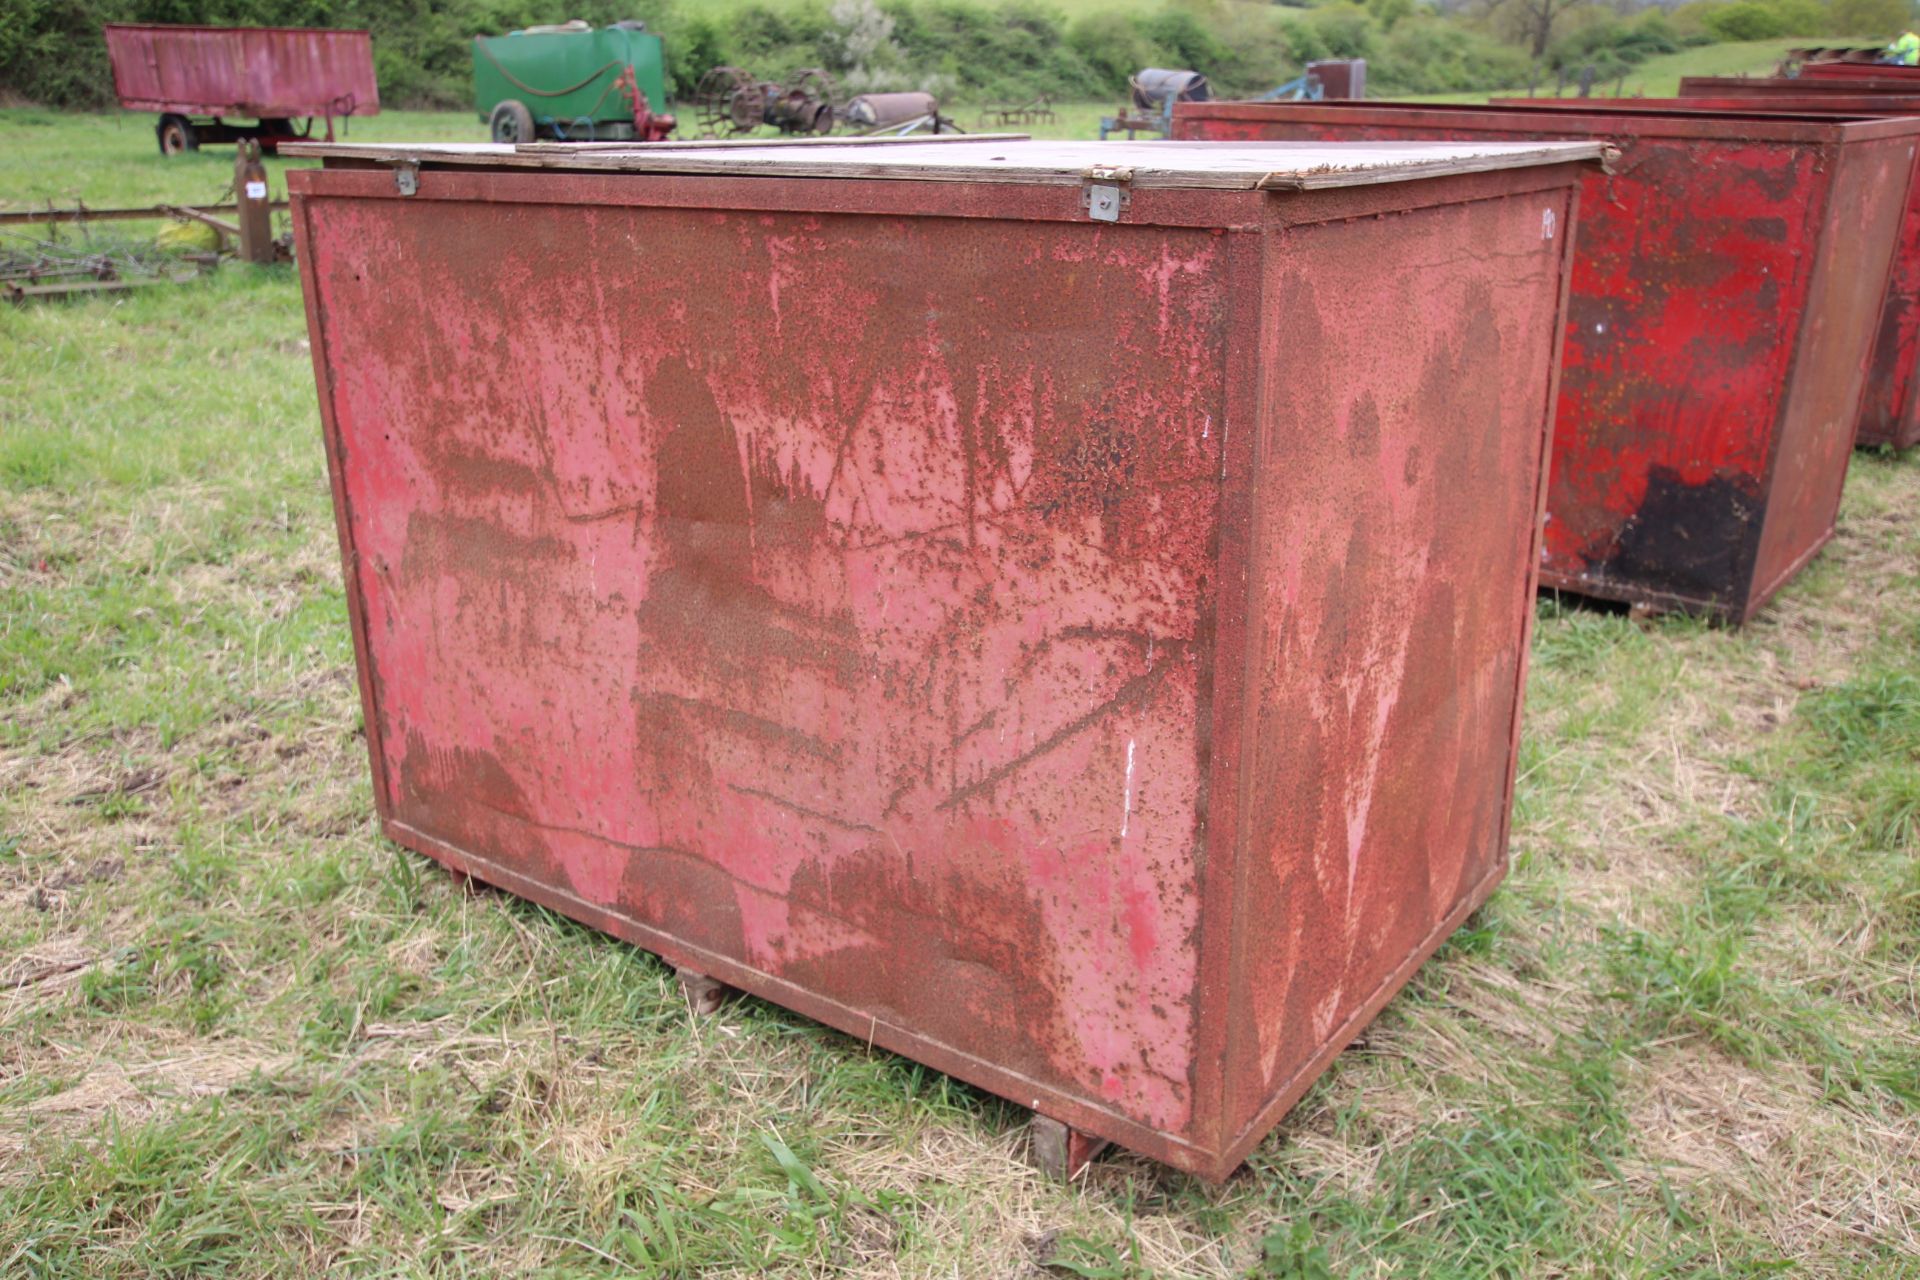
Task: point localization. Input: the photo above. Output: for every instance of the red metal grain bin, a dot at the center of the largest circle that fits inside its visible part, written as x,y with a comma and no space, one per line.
1000,599
1857,72
1727,285
1769,86
1890,409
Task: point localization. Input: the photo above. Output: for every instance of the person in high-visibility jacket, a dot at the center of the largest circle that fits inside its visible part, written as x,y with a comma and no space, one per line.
1905,51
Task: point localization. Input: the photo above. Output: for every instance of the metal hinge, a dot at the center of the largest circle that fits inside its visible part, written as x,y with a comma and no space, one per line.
1107,193
406,176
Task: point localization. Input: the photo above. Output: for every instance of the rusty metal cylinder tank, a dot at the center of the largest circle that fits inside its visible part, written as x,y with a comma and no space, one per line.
1153,86
882,110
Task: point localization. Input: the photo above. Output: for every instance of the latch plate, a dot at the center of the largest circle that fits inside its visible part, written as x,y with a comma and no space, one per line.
1103,201
1106,195
406,177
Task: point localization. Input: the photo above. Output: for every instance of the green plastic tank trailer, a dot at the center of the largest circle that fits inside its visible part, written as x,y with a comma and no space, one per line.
572,82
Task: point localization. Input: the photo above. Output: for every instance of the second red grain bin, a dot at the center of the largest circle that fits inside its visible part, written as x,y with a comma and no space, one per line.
1727,285
1878,74
1890,409
1001,599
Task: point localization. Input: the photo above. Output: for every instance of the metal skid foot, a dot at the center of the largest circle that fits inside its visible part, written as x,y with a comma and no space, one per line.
462,880
1061,1151
703,994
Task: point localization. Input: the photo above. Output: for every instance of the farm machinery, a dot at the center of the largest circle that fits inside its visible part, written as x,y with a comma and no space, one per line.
198,80
731,100
1154,91
572,82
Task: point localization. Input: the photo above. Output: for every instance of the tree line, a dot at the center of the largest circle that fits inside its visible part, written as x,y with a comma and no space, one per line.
51,51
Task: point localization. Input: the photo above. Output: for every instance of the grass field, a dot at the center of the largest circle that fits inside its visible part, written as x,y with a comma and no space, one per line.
241,1035
110,158
1659,77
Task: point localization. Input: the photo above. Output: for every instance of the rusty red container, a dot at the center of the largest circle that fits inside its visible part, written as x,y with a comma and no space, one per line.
1000,599
1890,405
1854,72
1340,77
263,72
1771,86
1727,283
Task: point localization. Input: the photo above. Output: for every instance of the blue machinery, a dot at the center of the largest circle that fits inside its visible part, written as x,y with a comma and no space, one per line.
1156,90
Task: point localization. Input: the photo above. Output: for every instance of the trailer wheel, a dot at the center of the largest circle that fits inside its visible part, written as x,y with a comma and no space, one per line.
511,122
176,135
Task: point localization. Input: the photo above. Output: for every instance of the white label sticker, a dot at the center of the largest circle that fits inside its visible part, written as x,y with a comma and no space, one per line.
256,191
1546,224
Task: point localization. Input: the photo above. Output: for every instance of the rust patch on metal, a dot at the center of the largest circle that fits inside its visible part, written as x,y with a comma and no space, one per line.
1692,541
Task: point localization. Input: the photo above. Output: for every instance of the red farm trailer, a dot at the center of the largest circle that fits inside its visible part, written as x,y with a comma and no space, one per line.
198,78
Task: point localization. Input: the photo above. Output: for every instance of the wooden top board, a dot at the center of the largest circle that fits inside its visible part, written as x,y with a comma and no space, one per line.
1231,166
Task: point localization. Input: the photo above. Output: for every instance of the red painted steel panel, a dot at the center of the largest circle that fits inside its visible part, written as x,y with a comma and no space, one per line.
1890,409
1388,561
1749,87
1855,72
263,72
1000,681
1340,77
1845,300
1699,353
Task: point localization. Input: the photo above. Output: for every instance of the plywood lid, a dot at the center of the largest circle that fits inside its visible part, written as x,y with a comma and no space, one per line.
1230,166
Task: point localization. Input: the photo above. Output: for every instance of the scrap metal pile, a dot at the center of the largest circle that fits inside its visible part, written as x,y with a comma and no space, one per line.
731,101
60,252
39,265
44,267
1007,115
